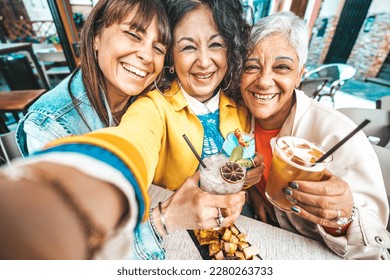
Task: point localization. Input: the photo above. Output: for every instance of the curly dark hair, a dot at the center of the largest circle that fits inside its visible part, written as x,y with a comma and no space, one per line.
230,19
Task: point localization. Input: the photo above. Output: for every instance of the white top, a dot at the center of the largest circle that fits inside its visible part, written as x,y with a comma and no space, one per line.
200,108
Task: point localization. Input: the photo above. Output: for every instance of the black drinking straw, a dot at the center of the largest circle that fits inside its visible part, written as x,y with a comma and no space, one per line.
335,147
194,151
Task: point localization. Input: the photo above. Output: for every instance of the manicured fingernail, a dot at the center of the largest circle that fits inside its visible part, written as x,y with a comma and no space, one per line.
287,191
295,209
293,185
292,200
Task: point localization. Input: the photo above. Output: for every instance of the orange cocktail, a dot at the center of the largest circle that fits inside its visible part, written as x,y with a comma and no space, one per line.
293,159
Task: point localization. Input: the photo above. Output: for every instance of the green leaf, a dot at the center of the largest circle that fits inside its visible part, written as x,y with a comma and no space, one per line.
237,153
244,162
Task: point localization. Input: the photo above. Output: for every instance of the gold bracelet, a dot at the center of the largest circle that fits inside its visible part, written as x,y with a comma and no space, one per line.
162,218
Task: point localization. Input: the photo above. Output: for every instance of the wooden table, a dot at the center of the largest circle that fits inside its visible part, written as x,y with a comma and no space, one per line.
16,101
25,47
274,243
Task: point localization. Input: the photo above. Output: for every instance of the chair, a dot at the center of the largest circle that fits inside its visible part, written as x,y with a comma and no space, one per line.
383,155
49,58
338,73
312,87
8,148
379,127
383,103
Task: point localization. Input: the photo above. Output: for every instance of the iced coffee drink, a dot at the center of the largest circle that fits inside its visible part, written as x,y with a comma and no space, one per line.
293,159
221,176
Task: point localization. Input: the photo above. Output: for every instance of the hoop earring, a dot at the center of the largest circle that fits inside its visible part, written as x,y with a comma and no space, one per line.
230,81
155,85
171,70
178,88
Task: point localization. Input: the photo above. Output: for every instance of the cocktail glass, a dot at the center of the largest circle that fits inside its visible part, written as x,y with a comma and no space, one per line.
211,179
293,159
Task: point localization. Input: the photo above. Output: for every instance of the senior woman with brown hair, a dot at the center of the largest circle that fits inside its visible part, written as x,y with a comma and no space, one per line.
348,210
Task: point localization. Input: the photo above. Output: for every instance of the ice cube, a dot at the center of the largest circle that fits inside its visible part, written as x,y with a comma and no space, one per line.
303,146
316,153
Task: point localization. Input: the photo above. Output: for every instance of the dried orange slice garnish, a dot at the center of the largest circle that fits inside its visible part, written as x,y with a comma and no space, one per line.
232,172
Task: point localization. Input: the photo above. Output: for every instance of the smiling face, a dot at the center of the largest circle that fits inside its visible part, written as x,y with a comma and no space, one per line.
270,75
199,54
129,57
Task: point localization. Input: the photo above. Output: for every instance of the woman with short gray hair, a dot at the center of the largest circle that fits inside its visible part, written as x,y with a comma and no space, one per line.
347,210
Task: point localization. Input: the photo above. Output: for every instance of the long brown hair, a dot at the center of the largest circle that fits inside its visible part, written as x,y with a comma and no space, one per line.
103,15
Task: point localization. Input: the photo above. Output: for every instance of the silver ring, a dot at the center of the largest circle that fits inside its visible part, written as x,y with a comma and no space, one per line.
220,218
338,216
340,221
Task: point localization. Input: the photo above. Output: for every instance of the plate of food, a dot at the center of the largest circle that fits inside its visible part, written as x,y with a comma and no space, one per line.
226,243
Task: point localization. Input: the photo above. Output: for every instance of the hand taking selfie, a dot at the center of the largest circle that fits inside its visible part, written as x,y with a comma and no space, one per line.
51,211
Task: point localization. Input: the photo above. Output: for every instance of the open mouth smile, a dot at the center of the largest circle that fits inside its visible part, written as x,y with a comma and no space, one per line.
264,97
133,70
203,75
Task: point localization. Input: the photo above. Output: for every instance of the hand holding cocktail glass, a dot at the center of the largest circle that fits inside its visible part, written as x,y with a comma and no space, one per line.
220,175
293,159
303,185
225,173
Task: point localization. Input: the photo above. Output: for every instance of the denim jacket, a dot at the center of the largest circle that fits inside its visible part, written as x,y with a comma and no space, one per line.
55,116
146,245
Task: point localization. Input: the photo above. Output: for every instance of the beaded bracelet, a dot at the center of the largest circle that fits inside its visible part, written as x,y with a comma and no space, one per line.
162,218
156,233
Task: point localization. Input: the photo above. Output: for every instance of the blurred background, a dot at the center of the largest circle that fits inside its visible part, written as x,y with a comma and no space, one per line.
39,41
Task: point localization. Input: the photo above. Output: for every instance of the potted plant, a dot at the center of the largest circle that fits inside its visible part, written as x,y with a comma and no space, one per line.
55,40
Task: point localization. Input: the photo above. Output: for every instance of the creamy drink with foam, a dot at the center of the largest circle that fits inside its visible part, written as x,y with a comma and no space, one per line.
293,159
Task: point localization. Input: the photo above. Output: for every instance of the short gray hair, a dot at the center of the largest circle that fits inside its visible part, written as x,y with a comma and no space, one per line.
288,24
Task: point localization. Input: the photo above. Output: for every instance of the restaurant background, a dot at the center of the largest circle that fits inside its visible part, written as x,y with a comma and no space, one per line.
355,32
351,32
